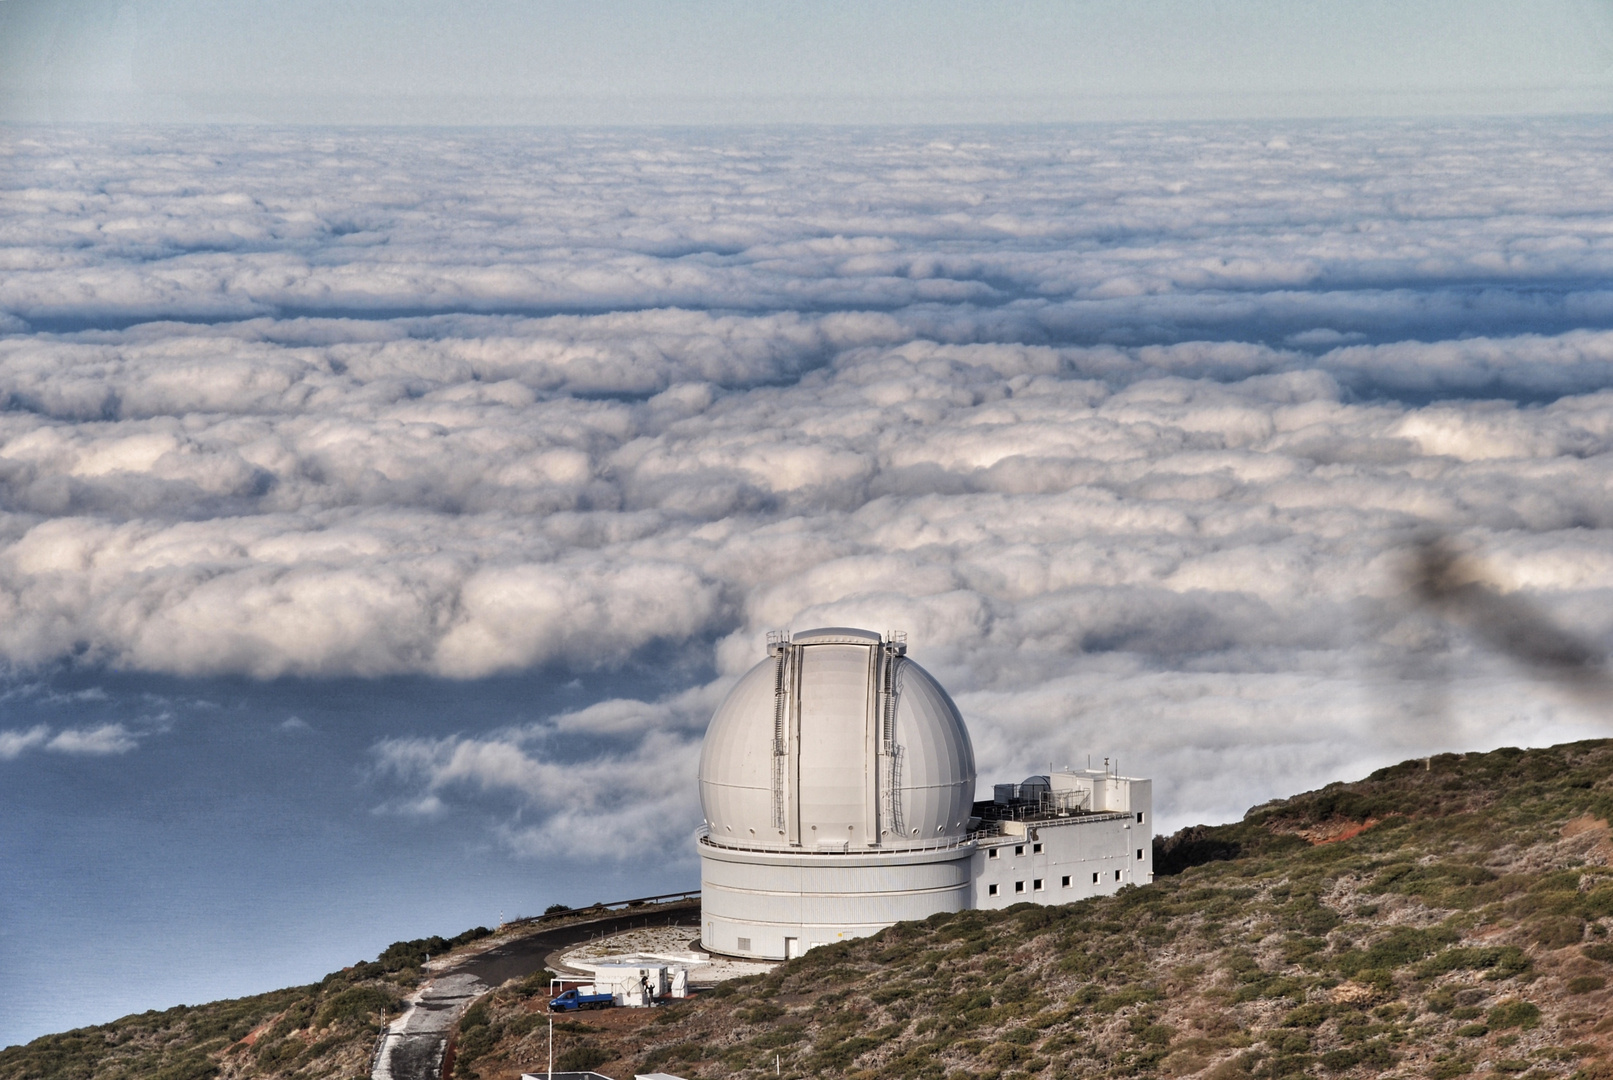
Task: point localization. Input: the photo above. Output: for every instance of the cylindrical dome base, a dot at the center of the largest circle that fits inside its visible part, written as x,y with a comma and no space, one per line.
767,905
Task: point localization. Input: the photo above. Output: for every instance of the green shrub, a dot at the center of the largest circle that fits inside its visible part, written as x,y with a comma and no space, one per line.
272,1054
1288,1041
582,1058
1131,995
760,1013
1511,1014
475,1042
187,1068
1339,1060
1297,949
1504,961
1585,984
1558,933
295,1018
1307,1016
839,1055
321,1048
1308,916
1378,1055
476,1016
1402,945
1156,1035
1442,1000
785,1035
359,1005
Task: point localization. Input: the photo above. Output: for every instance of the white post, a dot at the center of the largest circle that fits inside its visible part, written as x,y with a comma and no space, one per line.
551,1046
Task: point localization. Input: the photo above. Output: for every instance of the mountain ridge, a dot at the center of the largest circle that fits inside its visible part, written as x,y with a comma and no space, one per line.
1440,917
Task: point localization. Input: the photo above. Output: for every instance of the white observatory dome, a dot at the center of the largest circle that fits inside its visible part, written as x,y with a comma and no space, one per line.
837,782
836,741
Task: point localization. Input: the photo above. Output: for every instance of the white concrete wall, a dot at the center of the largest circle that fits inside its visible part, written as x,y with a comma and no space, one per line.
1074,857
766,899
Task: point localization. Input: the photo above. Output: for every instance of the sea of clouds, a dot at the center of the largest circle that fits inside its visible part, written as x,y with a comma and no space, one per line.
1128,427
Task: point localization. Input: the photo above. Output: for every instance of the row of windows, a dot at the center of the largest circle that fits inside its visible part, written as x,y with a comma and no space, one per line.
1036,849
1036,884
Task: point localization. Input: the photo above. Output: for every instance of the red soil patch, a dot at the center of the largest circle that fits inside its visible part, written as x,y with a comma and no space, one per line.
251,1037
1331,832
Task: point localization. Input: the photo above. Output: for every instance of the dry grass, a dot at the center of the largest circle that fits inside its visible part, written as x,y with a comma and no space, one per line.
1436,919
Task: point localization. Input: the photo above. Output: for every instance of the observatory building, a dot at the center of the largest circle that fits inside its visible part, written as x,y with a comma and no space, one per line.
837,782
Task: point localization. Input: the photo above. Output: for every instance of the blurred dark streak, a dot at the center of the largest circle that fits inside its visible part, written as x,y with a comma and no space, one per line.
1456,585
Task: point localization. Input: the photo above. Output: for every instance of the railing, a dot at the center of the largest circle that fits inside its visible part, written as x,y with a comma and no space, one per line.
613,905
703,835
1023,811
1060,819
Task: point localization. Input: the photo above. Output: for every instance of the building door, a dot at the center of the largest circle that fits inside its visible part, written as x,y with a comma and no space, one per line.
792,948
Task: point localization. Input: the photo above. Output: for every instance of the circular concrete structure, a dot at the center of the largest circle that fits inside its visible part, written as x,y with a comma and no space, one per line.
836,781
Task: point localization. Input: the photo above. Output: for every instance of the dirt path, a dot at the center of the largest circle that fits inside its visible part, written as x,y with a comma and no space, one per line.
416,1041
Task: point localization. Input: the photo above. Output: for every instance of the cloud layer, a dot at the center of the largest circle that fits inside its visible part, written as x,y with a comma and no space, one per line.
1126,427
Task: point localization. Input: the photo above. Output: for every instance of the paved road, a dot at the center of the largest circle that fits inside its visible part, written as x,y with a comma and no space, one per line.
416,1041
520,958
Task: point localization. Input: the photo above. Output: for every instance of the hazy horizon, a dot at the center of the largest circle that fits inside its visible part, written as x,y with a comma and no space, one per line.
723,61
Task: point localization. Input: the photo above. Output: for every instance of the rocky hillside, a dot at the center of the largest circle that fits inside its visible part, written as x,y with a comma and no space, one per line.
1439,918
327,1029
1442,917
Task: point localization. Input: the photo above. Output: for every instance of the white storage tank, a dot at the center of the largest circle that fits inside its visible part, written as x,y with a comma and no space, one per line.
836,781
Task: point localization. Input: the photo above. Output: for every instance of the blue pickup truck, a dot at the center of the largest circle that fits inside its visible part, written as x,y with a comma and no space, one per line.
572,1000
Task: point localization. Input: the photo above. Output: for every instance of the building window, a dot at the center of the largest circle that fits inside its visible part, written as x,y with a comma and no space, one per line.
1036,849
1139,817
1066,881
1019,849
993,853
1117,875
1019,886
1036,885
1094,879
744,944
1139,853
991,890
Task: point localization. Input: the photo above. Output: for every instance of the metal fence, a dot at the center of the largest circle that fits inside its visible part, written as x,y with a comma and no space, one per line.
611,905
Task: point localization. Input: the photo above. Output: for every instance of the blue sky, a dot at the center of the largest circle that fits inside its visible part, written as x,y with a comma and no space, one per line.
524,61
384,509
